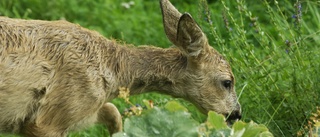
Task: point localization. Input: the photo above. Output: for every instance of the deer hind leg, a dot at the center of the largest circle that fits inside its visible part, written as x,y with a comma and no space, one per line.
69,104
110,117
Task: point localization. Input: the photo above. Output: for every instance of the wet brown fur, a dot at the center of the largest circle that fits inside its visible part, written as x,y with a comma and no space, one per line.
57,76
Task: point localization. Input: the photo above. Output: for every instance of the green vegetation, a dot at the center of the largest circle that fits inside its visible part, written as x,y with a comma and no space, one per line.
169,121
273,47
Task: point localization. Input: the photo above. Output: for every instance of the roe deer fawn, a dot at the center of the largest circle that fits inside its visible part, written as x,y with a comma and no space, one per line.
56,76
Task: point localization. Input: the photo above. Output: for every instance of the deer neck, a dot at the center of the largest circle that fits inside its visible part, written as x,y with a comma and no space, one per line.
146,69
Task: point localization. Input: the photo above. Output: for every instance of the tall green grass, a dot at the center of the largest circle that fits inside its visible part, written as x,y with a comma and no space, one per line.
273,47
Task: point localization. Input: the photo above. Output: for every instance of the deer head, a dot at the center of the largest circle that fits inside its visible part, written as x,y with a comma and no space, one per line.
208,82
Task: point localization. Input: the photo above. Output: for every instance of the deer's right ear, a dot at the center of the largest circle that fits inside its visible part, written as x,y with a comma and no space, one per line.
182,30
190,38
170,16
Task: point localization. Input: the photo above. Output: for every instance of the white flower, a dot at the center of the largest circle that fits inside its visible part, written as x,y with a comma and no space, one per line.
127,5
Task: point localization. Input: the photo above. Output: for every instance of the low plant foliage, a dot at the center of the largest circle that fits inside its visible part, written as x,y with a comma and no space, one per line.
174,120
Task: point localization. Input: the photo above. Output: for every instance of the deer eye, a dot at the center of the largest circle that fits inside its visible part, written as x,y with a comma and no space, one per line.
227,84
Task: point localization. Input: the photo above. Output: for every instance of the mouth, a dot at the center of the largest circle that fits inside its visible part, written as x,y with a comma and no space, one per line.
232,118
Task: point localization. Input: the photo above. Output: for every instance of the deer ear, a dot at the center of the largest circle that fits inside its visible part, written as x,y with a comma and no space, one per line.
170,16
190,38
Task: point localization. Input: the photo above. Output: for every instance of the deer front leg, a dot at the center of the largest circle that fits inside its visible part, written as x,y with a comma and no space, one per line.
110,117
69,103
61,115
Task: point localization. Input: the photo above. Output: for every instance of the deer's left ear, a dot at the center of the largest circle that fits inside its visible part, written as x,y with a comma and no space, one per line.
190,38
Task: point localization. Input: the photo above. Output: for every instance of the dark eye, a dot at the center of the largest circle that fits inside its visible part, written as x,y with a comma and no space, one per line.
227,84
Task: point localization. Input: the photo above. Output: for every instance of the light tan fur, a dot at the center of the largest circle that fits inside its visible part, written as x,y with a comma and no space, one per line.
56,76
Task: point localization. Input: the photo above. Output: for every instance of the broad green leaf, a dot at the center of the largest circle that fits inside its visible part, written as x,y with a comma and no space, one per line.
175,106
158,122
266,134
216,121
238,133
135,126
238,126
251,129
220,133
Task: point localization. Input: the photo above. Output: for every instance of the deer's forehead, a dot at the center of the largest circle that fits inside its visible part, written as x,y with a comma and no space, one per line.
216,64
221,72
214,59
